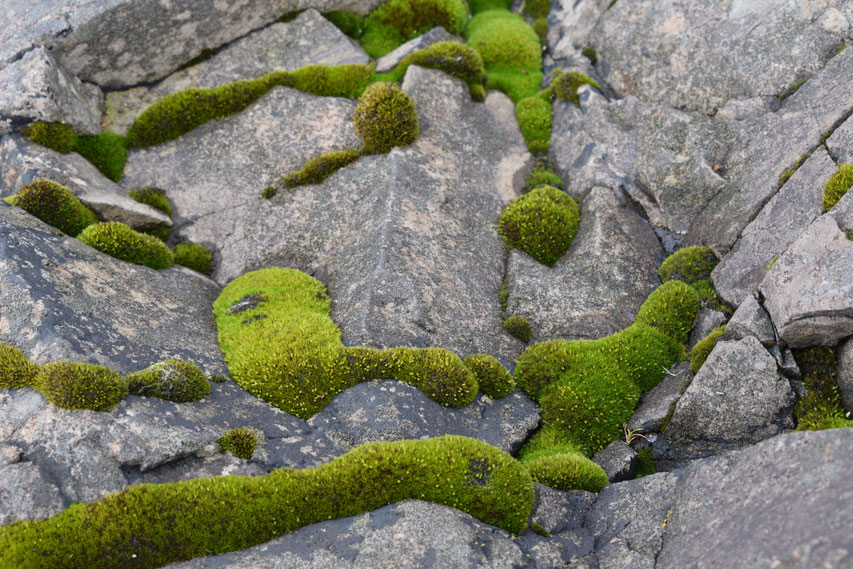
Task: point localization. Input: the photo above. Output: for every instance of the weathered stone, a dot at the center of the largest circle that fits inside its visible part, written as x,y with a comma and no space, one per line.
750,319
657,403
571,23
24,161
225,464
808,291
599,284
619,461
840,143
9,454
388,62
38,88
780,222
706,322
560,511
27,494
842,213
737,398
310,39
785,361
844,371
63,300
783,503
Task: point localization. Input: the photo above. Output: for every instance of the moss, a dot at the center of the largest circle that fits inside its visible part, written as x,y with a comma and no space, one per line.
73,385
645,462
106,151
11,200
539,530
15,369
218,379
537,8
155,197
534,119
666,307
194,256
542,223
348,22
837,186
398,21
540,26
566,84
456,59
54,135
518,327
289,16
703,348
708,294
542,175
56,205
786,175
152,525
321,167
820,408
590,53
162,233
478,6
120,241
793,88
240,442
385,117
693,265
493,378
503,296
174,380
269,192
561,466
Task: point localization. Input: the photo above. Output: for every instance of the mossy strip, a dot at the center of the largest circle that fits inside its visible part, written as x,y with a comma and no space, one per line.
56,205
106,151
836,186
703,348
120,241
456,59
16,370
74,385
398,21
493,378
321,167
57,136
534,116
542,175
155,197
518,327
173,379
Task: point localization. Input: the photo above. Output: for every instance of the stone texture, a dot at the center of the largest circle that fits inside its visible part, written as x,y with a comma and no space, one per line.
844,370
750,319
596,288
388,62
571,23
27,494
63,300
24,161
737,398
657,403
224,464
559,511
808,291
842,213
706,322
309,39
780,222
38,88
840,144
619,461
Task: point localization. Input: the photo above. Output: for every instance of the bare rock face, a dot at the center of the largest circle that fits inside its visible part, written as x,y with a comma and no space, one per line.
751,319
840,144
572,22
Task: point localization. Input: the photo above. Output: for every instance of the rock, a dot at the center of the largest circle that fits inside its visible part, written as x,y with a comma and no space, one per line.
785,361
25,161
842,213
751,319
658,403
27,494
225,464
63,300
737,398
388,62
783,503
309,39
599,284
560,511
9,454
844,371
808,291
780,222
654,50
571,25
619,461
38,88
707,321
840,144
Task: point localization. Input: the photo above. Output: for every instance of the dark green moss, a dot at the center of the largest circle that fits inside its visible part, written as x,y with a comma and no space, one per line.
540,26
503,296
289,16
590,53
398,21
837,186
106,151
534,116
385,117
73,385
348,22
820,408
269,192
542,223
566,84
162,233
553,462
689,264
493,378
645,462
478,6
537,8
321,167
54,135
56,205
155,197
120,241
542,175
703,348
665,310
194,256
518,327
15,369
539,530
174,380
240,442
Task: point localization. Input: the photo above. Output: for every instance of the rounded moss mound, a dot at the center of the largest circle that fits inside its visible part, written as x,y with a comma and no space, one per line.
54,135
120,241
155,197
542,223
566,471
439,373
566,84
194,256
152,525
398,21
240,442
174,380
385,117
837,186
666,307
56,205
690,265
74,385
703,348
15,369
493,378
518,327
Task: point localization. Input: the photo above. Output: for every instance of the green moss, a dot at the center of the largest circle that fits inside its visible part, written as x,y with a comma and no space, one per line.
240,442
503,296
321,167
155,197
54,135
15,369
456,59
152,525
539,530
11,200
590,53
540,26
174,380
106,151
518,327
666,307
493,378
56,205
478,6
162,233
566,84
689,264
703,348
542,223
820,408
348,22
537,8
534,118
561,466
269,192
786,175
645,462
398,21
73,385
837,186
542,175
793,88
385,117
194,256
120,241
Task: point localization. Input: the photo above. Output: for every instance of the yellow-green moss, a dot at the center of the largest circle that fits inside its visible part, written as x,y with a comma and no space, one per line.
321,167
194,256
703,348
106,151
240,442
174,380
120,241
16,370
398,21
493,378
534,116
542,223
821,407
456,59
566,84
56,205
73,385
590,53
348,22
155,197
837,185
542,175
385,117
518,327
57,136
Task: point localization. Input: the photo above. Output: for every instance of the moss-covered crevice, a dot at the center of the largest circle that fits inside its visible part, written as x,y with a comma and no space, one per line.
397,21
106,151
703,348
820,408
836,186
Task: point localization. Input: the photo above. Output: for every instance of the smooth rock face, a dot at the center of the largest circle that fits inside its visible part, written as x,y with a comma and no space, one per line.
596,288
750,319
844,371
706,322
388,62
26,494
573,22
558,511
63,300
25,161
808,291
309,39
840,144
618,459
38,88
657,403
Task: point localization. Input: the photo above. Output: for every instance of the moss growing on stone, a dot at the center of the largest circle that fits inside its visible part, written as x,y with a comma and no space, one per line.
539,530
73,385
787,174
57,136
174,380
542,175
566,471
534,116
321,167
152,525
348,22
703,348
590,53
693,265
16,370
566,84
493,378
540,26
542,223
518,327
837,185
120,241
821,407
194,256
106,151
665,310
645,462
385,117
537,8
398,21
456,59
56,205
478,6
240,442
155,197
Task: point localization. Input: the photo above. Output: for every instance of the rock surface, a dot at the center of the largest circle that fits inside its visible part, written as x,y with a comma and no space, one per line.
751,319
840,144
571,23
658,403
844,370
706,322
619,461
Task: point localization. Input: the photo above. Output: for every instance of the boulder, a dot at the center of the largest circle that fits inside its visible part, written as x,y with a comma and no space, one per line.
572,21
751,319
388,62
559,511
619,461
657,404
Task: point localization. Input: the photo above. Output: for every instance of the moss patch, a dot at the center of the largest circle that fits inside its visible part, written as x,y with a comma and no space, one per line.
821,407
493,378
240,442
456,59
321,167
398,21
348,22
385,117
106,151
174,380
837,186
518,327
590,53
693,265
703,348
73,385
56,136
534,118
120,241
57,206
155,197
542,223
542,175
16,370
645,462
194,256
566,84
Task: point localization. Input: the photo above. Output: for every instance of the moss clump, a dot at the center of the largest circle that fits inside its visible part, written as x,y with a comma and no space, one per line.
15,369
534,116
645,462
537,8
478,6
542,175
518,327
73,385
56,205
240,442
665,310
155,197
152,525
703,348
821,407
590,53
456,59
398,21
174,380
837,186
385,117
693,265
54,135
566,470
106,151
321,167
493,378
194,256
348,22
120,241
542,223
566,84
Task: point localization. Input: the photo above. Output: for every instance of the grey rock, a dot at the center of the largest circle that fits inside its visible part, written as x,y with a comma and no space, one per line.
658,403
619,461
842,213
571,25
844,371
388,62
808,291
737,398
840,143
560,511
785,361
780,222
63,300
38,88
742,108
25,161
655,50
750,319
27,494
9,454
599,284
707,321
225,464
783,503
309,39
